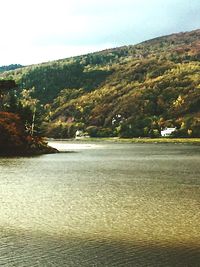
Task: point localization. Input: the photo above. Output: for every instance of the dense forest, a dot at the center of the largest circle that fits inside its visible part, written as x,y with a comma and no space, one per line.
130,91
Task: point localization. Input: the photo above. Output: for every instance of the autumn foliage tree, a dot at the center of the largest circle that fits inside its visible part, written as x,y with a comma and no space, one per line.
15,139
12,132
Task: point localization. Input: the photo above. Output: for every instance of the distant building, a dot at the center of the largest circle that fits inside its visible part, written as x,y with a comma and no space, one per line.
78,134
117,119
167,131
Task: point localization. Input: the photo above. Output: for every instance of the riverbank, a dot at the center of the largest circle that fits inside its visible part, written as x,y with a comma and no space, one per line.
142,140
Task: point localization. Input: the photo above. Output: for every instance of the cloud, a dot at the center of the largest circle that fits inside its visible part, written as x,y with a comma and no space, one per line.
32,29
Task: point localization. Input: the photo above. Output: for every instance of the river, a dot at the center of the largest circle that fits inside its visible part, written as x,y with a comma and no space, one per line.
102,204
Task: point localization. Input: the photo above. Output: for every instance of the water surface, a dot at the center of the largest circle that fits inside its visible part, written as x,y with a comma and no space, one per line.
103,205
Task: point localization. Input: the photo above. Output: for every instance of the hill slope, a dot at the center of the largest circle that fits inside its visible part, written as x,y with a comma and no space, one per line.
127,91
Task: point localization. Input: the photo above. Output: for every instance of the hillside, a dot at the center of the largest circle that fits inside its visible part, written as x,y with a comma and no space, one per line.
128,91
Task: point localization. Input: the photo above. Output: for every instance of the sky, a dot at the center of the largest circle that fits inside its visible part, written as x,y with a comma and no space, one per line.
36,31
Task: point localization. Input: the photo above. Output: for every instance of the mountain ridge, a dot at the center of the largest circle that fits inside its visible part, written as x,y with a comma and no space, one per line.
101,51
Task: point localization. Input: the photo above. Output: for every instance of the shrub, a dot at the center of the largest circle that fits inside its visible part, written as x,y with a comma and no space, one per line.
92,131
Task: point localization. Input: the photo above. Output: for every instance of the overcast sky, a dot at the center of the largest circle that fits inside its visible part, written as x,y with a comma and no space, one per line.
35,31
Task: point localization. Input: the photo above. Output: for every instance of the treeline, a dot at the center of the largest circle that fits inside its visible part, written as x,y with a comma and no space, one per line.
129,91
10,67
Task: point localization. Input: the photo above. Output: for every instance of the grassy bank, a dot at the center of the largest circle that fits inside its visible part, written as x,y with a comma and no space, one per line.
145,140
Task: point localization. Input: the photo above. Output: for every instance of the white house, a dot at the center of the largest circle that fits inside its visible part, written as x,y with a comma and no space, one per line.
167,131
78,134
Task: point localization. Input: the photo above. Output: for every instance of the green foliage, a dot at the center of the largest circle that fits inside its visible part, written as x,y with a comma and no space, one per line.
92,131
62,129
95,131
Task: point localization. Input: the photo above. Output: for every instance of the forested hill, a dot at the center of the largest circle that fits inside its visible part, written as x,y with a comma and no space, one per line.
10,67
128,91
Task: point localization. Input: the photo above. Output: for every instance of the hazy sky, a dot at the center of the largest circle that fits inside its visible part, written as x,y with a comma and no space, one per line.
34,31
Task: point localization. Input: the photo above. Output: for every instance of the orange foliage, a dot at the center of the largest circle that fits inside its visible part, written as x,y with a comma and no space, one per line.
12,132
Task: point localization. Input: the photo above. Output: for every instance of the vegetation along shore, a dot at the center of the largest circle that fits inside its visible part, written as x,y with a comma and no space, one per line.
142,140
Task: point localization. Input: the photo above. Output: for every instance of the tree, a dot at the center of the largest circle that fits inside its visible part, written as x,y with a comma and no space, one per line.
5,86
30,104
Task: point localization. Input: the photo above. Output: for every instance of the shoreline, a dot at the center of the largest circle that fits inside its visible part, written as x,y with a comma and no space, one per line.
132,140
29,153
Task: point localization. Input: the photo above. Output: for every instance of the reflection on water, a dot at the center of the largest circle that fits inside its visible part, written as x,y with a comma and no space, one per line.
106,205
66,146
